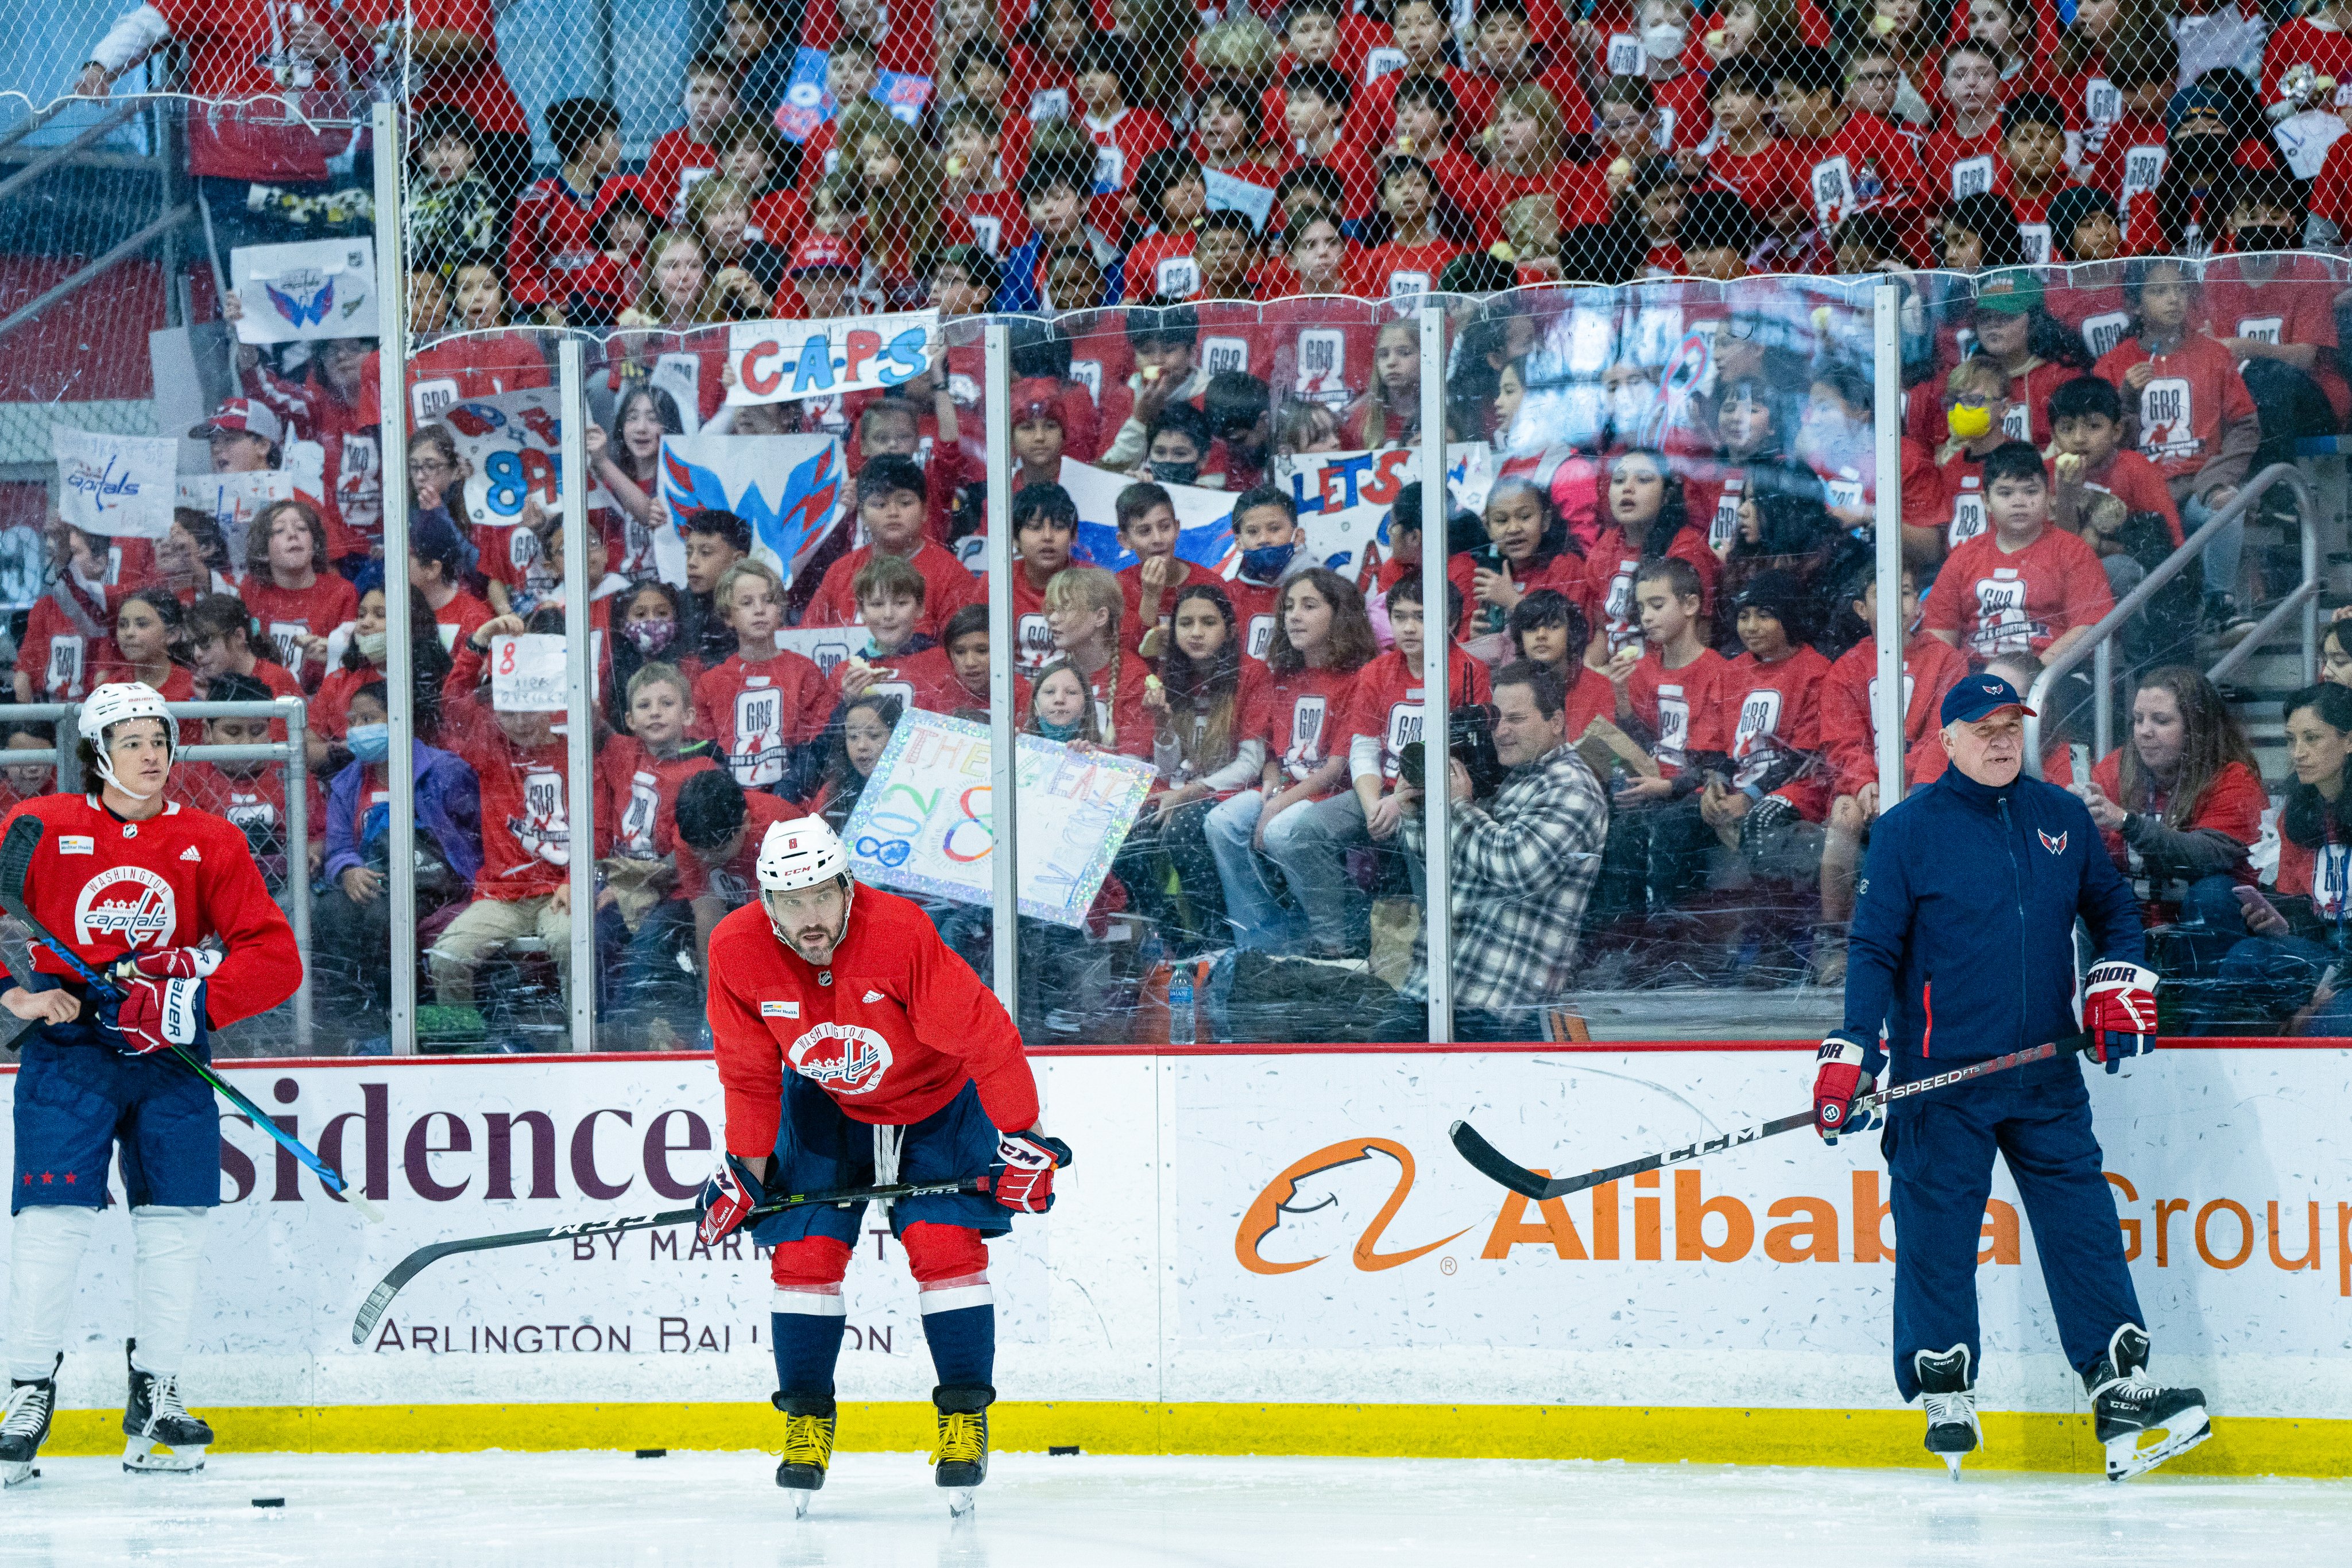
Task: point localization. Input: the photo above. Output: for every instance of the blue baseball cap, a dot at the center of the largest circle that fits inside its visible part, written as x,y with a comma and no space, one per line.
1978,695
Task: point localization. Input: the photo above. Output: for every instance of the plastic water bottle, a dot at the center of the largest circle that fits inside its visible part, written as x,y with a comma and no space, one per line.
1179,1005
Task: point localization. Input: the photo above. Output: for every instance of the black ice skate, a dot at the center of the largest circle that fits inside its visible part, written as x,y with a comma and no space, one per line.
961,1452
808,1446
1947,1391
24,1425
2129,1409
164,1438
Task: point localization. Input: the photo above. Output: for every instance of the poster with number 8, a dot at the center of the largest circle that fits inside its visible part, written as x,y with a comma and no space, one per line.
512,447
925,822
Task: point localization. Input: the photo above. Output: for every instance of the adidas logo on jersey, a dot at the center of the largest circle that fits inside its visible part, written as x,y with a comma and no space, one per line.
872,996
189,855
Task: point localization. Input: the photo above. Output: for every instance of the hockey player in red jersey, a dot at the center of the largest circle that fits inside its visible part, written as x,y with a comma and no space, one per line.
835,1008
133,883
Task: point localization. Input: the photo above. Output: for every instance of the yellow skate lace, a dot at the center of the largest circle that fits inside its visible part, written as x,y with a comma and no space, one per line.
808,1440
963,1438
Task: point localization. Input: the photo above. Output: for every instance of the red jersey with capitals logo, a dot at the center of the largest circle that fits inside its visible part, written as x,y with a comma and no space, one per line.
1683,707
892,1029
758,712
1306,714
1776,718
1996,601
2195,392
1386,703
108,888
637,795
1931,667
551,250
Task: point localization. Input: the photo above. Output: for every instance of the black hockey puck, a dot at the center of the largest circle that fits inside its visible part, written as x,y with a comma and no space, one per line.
1063,1450
653,1453
270,1502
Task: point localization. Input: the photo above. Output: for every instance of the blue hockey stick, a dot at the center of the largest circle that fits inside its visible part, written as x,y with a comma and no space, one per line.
15,860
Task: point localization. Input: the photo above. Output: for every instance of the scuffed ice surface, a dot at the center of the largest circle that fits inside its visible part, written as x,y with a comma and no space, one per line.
879,1510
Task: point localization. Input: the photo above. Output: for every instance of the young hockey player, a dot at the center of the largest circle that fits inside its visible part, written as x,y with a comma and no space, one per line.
133,883
1973,886
835,1008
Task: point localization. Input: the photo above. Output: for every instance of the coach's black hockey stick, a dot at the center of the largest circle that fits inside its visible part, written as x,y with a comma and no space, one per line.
416,1262
16,859
1491,1163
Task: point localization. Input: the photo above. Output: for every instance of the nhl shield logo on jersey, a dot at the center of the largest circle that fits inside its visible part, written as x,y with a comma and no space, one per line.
128,904
844,1057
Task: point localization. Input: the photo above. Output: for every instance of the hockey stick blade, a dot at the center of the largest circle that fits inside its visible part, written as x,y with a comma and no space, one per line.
371,1309
24,836
1492,1164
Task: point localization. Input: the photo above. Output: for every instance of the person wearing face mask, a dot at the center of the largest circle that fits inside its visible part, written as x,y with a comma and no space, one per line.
351,917
1678,93
644,621
1177,450
1265,528
2276,316
365,659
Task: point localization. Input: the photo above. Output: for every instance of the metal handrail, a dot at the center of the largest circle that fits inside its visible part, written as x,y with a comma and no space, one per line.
51,157
2099,643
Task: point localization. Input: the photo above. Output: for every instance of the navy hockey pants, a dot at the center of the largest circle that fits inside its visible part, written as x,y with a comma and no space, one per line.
78,1101
1939,1152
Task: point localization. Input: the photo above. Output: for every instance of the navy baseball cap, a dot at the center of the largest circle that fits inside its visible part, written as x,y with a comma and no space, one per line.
1978,695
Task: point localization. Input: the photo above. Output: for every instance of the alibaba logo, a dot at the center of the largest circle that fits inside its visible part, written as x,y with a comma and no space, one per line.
1279,1199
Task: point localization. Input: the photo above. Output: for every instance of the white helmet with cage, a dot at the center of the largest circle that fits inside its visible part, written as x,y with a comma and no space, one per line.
112,703
802,853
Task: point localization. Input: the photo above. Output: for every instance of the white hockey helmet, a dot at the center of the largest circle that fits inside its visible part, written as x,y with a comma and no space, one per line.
110,705
801,853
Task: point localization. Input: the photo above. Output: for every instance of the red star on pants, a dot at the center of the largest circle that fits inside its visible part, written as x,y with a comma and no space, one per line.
69,1178
47,1178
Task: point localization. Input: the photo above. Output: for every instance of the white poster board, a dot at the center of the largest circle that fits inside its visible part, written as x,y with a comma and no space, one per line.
115,484
783,361
924,823
527,674
791,489
232,500
318,288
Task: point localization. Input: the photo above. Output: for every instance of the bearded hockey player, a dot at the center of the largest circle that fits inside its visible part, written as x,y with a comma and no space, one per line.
133,883
1963,950
856,1048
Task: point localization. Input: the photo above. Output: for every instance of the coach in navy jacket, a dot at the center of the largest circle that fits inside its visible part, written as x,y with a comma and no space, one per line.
1963,933
1963,946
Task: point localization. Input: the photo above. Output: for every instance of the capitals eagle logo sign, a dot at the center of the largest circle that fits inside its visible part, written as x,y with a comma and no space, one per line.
792,526
307,295
2056,846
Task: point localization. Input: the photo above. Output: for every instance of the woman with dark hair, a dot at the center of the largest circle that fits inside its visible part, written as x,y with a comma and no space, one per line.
1979,230
1648,513
2181,807
2286,968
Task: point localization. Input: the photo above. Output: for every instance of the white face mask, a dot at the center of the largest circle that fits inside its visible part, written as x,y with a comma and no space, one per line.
1664,41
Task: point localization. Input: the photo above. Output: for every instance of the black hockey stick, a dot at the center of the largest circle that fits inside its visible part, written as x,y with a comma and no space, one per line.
416,1262
15,860
1491,1163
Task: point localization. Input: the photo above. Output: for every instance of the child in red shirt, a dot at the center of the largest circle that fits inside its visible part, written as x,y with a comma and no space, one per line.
2023,586
1527,548
1083,607
2100,486
2183,840
552,251
891,504
296,603
682,156
764,701
1848,161
1415,251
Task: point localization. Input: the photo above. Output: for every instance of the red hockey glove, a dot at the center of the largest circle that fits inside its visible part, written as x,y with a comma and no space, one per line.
1023,1174
155,1015
1837,1080
170,964
726,1200
2119,1011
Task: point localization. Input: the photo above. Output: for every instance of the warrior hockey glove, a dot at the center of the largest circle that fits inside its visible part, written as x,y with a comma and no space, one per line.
1023,1174
2119,1011
1837,1080
155,1015
731,1192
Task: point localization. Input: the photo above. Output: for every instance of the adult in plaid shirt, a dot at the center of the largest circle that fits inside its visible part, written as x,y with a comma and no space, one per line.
1524,863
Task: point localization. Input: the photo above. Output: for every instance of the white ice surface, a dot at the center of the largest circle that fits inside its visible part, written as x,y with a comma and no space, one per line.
880,1510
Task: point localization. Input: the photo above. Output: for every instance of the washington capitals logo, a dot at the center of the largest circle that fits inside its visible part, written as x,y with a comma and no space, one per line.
792,527
307,298
2056,846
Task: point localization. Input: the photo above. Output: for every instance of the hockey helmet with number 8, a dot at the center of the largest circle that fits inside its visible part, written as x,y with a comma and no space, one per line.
114,702
799,854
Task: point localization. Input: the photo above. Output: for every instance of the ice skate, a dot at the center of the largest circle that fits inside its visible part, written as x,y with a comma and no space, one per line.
961,1452
1947,1391
24,1425
164,1438
808,1446
2130,1408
